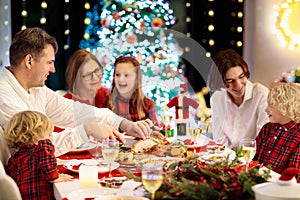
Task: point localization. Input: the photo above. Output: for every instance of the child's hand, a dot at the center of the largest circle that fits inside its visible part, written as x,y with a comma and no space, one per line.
63,178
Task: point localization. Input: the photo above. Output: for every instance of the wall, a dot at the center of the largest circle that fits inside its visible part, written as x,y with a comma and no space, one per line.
5,32
262,51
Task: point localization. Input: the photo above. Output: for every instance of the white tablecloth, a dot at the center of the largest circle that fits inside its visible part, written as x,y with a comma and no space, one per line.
63,189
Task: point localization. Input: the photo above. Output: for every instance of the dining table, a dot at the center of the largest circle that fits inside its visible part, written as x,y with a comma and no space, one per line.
66,190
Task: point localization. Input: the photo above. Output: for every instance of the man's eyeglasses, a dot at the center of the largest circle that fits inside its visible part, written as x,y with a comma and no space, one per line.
89,76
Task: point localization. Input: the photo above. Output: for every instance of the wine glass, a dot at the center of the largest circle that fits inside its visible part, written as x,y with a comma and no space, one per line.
152,177
195,132
110,151
96,152
248,150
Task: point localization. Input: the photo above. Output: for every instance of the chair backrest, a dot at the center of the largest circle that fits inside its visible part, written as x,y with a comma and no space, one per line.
8,187
4,150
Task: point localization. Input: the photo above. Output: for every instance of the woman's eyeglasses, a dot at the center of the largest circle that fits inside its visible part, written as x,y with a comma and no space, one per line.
97,72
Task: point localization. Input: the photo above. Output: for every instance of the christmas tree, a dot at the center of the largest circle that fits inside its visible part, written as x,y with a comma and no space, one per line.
139,29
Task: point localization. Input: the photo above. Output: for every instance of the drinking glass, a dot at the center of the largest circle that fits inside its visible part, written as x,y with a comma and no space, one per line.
152,177
248,150
195,132
96,152
110,151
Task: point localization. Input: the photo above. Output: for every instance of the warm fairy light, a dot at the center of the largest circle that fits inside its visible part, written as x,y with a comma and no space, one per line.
286,24
211,13
187,49
208,54
239,43
211,42
188,4
5,30
87,21
67,32
43,20
87,6
44,5
66,46
188,19
211,28
86,36
67,25
239,29
240,14
24,13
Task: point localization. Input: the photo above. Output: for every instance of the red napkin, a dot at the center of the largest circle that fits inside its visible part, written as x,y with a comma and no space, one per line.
251,164
76,155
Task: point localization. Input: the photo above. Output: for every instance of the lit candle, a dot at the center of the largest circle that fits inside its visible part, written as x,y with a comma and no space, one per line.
88,176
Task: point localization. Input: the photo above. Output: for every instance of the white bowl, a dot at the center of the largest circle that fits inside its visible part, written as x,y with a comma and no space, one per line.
280,190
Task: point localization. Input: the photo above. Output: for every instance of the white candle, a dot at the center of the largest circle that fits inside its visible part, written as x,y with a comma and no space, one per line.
88,176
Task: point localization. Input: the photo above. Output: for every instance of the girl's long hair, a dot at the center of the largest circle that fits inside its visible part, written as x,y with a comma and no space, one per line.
137,95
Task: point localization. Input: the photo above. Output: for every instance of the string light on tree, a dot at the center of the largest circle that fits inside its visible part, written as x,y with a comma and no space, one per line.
67,25
5,38
43,19
188,6
137,28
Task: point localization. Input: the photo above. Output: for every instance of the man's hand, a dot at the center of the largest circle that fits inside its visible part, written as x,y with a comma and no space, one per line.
141,129
102,132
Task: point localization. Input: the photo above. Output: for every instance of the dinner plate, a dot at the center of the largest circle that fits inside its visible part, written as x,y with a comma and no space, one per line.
92,193
75,164
218,156
100,194
86,146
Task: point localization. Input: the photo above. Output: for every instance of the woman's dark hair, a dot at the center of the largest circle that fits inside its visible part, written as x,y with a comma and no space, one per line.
229,58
